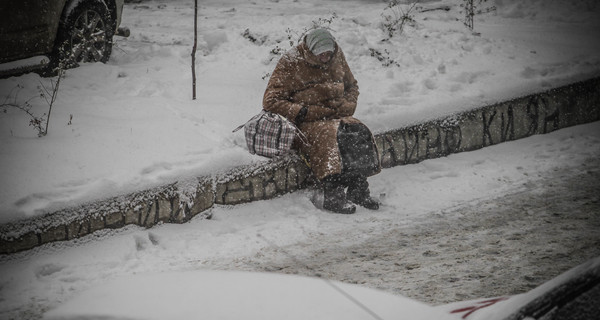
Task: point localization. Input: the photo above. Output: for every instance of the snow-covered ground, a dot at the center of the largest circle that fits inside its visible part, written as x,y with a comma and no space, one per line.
131,124
449,227
492,222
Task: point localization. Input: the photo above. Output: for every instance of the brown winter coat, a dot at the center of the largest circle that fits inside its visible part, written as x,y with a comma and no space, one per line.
328,90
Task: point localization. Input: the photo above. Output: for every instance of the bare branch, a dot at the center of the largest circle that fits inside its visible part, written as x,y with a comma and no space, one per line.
194,50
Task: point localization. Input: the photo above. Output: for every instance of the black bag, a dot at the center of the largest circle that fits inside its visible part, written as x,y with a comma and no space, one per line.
357,149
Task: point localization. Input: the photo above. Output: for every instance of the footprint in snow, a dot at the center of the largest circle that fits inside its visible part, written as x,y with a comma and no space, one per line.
48,269
143,242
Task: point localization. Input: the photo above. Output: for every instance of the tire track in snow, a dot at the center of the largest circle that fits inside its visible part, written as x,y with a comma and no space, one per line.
487,248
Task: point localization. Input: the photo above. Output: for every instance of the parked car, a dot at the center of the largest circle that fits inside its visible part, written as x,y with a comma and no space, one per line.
46,34
204,294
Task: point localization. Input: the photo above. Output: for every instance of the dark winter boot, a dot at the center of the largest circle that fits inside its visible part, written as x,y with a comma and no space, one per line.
334,199
358,193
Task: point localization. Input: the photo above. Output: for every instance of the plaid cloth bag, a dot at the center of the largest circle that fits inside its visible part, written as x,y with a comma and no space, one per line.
269,134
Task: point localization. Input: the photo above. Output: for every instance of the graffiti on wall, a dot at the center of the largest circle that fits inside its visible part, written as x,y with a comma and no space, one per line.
474,130
418,143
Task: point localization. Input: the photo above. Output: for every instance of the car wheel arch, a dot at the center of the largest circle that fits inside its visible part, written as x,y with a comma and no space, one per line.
69,17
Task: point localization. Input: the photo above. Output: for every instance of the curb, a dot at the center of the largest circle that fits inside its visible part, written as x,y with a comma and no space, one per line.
518,118
179,202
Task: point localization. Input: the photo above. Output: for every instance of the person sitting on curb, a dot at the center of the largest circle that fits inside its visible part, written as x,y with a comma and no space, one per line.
313,87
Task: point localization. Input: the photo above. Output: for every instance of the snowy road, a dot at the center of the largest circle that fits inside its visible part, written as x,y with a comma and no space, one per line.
500,246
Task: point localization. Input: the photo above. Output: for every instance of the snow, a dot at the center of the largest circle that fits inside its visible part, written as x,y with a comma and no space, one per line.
209,295
135,127
131,125
543,294
25,63
263,235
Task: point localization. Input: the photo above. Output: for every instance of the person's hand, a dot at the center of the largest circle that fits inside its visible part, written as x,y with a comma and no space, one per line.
301,116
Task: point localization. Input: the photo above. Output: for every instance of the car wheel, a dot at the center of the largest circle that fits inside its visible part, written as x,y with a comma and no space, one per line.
84,35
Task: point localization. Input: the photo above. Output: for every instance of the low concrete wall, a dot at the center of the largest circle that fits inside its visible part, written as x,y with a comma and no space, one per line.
511,120
179,202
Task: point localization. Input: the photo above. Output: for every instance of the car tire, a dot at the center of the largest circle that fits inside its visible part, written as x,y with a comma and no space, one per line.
85,34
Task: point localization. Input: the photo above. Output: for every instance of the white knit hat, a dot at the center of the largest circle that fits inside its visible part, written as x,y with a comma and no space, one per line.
319,41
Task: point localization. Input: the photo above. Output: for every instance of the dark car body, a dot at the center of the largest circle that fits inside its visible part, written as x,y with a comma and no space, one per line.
30,28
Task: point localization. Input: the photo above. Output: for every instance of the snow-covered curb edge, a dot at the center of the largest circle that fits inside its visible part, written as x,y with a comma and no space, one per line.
538,113
178,202
174,203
